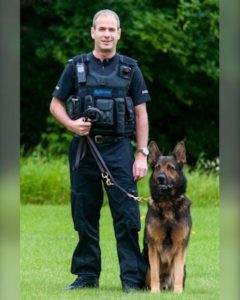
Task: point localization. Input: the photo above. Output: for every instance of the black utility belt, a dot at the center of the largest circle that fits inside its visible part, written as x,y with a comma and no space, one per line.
101,139
116,114
104,139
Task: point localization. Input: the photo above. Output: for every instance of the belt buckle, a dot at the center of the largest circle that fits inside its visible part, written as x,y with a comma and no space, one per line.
98,139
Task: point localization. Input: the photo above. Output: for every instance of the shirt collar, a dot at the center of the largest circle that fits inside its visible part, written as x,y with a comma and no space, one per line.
105,61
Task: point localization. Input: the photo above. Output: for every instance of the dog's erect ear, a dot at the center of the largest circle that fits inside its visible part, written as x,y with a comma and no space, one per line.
154,153
179,153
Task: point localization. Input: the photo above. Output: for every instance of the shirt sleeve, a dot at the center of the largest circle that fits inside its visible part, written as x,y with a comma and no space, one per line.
138,89
65,86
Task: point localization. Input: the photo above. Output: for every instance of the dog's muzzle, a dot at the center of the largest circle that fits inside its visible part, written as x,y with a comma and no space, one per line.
164,182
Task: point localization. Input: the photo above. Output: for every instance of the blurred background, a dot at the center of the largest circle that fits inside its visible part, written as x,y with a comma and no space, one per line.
175,42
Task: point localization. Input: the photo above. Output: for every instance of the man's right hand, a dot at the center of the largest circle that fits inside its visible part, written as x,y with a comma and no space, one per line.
80,126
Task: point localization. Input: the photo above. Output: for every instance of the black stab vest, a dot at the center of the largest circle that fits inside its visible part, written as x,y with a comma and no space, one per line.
108,94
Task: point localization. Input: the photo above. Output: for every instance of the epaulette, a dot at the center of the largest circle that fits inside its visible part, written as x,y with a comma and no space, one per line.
127,60
80,58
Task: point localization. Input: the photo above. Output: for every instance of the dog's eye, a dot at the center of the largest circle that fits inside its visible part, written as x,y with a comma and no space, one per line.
157,167
170,168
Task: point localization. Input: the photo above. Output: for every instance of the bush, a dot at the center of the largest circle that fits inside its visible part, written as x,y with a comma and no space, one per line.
176,45
45,180
204,164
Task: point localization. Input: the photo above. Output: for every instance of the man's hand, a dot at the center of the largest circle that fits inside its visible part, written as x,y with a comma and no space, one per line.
140,167
80,126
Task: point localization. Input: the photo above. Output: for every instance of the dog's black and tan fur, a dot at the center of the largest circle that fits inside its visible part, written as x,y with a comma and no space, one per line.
168,221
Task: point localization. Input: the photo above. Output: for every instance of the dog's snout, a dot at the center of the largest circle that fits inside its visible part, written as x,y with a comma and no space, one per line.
161,178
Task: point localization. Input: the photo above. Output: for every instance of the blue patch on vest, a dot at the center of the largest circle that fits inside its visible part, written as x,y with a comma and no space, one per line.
102,92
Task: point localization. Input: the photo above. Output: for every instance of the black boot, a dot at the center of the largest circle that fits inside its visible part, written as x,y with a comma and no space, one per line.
82,282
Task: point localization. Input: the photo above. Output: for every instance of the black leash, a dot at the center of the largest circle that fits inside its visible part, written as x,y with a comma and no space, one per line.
106,174
81,151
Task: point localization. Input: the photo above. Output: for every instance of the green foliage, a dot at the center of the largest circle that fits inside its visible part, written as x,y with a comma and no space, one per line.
56,139
206,165
175,43
48,240
196,18
181,64
45,180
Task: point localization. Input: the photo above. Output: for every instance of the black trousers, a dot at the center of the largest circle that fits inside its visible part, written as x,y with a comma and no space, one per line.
86,203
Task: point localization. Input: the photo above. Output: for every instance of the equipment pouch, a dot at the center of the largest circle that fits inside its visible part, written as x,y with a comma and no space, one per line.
106,106
120,115
73,107
130,113
88,102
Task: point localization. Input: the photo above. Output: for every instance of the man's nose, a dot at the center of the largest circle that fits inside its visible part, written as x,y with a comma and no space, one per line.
107,33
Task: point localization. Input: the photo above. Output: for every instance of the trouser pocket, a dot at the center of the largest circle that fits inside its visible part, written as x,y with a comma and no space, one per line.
133,212
77,210
127,212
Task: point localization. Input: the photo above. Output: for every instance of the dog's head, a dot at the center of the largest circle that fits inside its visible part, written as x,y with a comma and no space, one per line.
167,180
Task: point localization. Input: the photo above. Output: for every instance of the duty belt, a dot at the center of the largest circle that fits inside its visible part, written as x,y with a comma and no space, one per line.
100,139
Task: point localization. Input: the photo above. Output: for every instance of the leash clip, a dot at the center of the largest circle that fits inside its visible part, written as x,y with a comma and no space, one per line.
138,198
105,176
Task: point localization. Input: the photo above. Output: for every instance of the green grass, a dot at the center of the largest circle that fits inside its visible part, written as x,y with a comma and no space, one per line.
46,181
48,239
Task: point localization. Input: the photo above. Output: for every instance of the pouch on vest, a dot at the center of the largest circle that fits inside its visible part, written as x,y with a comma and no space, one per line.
81,74
73,107
130,121
120,113
88,102
130,114
106,106
125,72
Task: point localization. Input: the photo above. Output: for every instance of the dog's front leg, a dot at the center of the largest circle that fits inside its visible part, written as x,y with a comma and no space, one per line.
154,262
178,265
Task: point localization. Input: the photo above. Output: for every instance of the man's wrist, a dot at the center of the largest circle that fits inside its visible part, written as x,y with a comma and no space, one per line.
143,150
69,124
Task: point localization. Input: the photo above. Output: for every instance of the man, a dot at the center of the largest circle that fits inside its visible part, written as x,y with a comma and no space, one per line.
114,85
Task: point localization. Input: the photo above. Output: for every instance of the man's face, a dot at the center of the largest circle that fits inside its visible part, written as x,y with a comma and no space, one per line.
106,33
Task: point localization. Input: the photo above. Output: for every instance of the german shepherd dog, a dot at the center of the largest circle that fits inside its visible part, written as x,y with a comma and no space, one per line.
168,221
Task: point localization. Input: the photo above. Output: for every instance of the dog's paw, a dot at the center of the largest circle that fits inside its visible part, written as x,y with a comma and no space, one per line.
155,289
178,289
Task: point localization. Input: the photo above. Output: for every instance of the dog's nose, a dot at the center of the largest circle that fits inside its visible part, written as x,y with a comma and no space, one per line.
161,179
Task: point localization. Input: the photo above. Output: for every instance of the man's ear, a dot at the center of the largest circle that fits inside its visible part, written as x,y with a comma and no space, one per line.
179,153
119,33
92,32
154,153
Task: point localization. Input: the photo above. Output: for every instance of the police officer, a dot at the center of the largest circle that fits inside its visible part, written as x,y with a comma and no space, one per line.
113,84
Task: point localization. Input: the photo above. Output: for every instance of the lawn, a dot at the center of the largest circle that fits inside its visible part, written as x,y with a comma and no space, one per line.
48,239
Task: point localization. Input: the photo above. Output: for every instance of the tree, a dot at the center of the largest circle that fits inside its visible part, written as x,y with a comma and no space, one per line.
175,42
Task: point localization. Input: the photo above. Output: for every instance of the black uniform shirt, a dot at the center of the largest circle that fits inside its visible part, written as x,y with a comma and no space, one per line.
66,83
